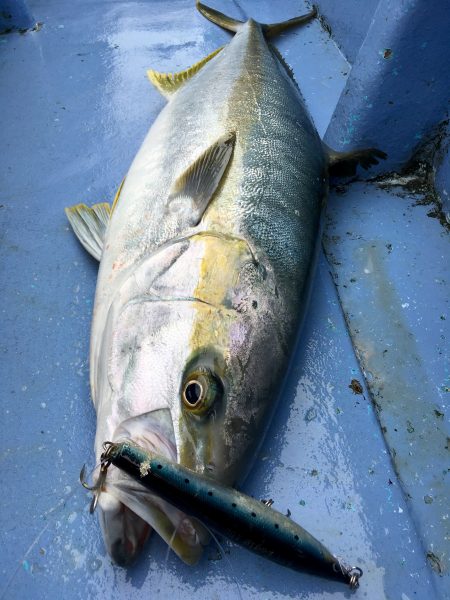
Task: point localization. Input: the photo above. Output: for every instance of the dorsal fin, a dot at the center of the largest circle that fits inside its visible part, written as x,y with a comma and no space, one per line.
343,164
169,83
287,68
193,190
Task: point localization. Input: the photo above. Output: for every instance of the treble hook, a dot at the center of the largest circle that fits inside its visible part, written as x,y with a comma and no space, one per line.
97,488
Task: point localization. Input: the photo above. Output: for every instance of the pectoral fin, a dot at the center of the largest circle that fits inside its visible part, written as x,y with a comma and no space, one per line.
194,189
343,164
89,225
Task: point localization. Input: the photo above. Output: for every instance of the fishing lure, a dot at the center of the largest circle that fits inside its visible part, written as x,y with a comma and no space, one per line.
238,517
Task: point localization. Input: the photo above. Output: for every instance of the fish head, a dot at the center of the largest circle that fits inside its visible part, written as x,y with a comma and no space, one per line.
193,361
227,357
144,355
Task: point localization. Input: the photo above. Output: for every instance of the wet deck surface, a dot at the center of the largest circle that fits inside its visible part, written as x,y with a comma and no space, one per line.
78,106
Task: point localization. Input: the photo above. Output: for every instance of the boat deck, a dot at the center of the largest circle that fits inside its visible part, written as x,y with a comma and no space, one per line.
366,473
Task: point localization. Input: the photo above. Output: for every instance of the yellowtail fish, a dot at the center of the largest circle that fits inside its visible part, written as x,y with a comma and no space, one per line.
205,256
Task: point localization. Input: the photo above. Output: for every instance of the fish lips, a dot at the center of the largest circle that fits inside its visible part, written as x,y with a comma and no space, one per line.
128,511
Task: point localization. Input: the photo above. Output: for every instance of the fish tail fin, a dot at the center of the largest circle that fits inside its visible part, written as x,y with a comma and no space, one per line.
272,29
218,18
269,29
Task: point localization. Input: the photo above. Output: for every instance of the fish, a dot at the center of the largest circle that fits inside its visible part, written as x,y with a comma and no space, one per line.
252,523
206,255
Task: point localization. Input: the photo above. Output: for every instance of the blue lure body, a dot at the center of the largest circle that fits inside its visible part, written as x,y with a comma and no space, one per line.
240,518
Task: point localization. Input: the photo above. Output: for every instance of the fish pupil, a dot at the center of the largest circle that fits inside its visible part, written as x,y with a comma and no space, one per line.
193,392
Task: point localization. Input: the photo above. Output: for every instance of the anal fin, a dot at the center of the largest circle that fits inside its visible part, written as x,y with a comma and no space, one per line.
193,190
89,225
169,83
116,197
343,164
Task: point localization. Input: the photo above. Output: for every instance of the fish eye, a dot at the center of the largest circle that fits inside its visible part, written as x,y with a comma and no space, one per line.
193,393
200,391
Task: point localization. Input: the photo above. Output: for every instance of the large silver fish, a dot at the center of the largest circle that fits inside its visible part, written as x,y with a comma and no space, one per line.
204,257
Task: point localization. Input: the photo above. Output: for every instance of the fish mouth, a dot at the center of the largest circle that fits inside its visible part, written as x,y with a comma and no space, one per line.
129,511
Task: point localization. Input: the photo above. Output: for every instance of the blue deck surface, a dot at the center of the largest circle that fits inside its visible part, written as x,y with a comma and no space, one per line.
78,106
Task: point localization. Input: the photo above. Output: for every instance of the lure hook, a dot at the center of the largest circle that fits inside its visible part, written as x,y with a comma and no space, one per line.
105,461
267,502
353,573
